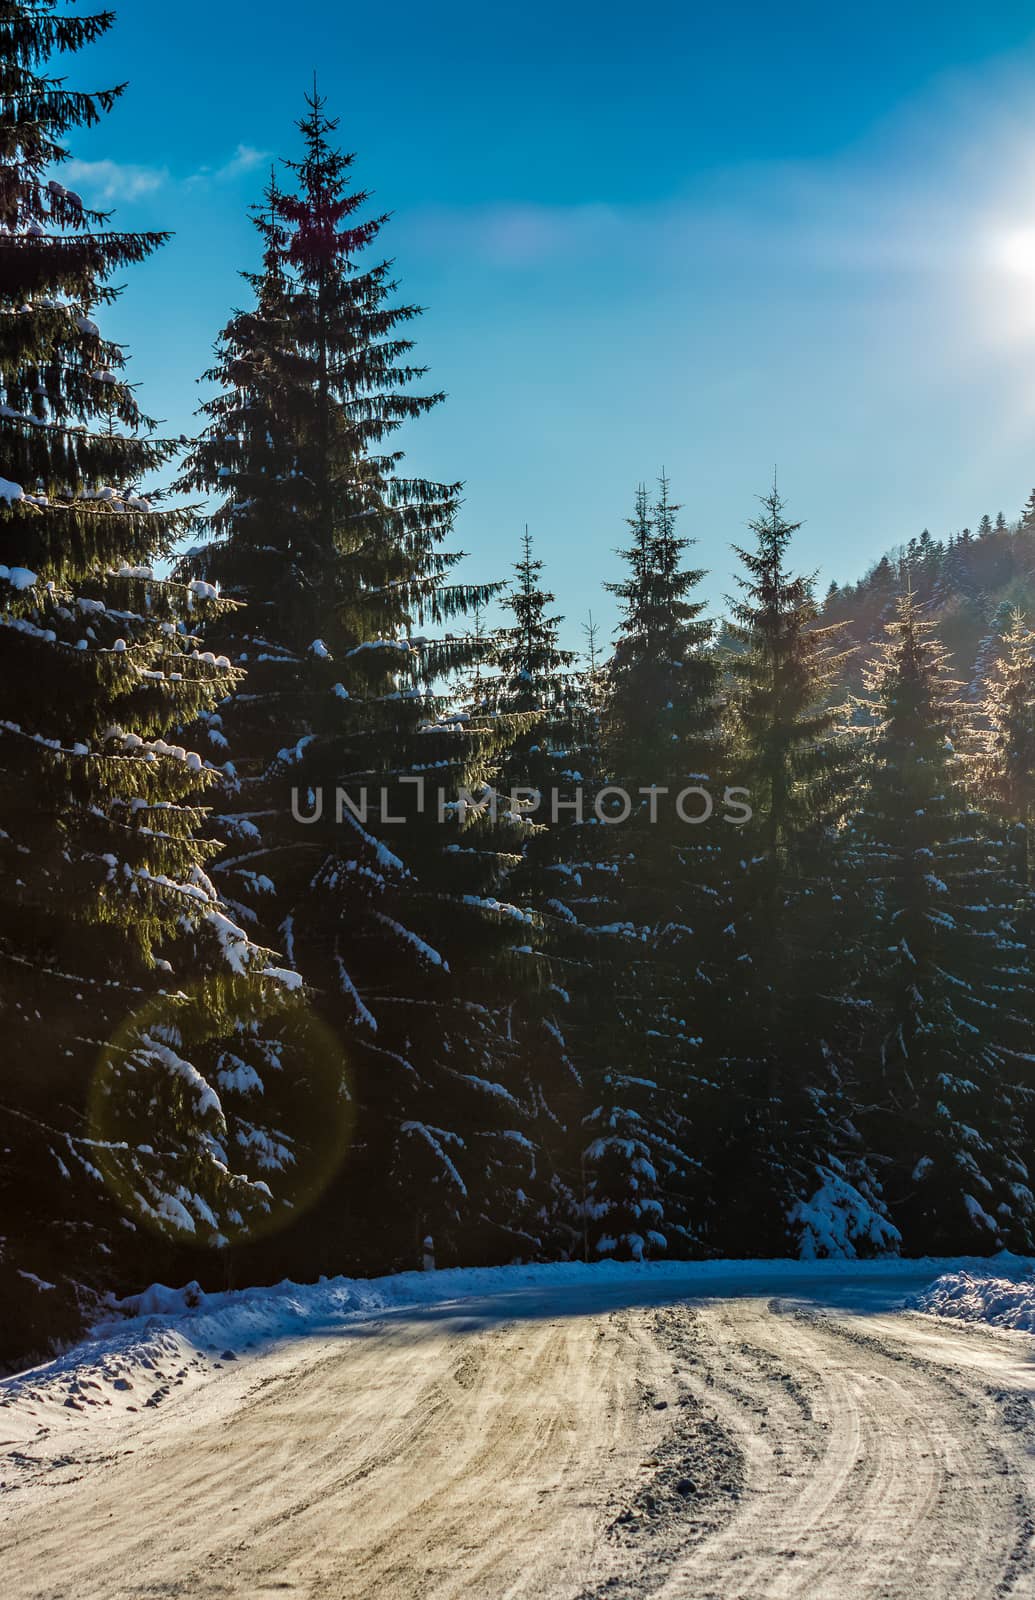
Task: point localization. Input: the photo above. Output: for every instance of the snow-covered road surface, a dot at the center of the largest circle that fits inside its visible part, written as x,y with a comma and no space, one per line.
773,1434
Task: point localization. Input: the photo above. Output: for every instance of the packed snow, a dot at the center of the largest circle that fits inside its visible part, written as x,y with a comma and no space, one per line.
412,1417
165,1338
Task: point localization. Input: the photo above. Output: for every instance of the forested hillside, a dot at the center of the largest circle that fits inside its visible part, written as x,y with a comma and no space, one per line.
969,582
342,931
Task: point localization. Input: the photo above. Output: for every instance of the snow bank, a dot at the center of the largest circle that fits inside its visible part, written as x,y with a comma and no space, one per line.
983,1297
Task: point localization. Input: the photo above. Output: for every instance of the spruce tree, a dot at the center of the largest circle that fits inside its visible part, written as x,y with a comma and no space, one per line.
535,679
785,731
100,809
989,648
790,1173
662,682
641,889
590,698
537,683
942,969
344,737
1003,768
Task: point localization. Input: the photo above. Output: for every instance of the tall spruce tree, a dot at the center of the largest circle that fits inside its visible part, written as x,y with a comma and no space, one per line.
638,887
944,973
388,909
105,883
790,1174
541,779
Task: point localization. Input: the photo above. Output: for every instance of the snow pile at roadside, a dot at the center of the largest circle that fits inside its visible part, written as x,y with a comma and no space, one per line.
164,1341
983,1297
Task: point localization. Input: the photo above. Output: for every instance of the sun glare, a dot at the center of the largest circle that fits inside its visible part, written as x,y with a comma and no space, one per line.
1003,290
1014,252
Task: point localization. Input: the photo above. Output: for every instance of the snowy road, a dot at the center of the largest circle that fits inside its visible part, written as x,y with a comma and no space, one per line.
577,1441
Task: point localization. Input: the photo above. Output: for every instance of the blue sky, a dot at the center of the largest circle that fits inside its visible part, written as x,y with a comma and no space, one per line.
710,238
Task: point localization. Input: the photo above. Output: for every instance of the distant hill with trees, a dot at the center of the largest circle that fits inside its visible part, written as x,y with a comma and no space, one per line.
967,583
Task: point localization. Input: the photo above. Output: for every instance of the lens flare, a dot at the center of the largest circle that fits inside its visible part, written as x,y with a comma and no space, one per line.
220,1114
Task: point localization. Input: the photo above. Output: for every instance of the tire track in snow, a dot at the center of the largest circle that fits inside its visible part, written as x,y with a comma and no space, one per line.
894,1479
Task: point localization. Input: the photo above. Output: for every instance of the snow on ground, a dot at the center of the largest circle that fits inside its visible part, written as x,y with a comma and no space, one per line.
983,1296
760,1429
165,1340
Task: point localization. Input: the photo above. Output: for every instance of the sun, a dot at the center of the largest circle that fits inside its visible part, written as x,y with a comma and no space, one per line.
1014,252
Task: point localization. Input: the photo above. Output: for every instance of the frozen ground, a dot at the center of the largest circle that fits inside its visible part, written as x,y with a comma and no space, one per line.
707,1431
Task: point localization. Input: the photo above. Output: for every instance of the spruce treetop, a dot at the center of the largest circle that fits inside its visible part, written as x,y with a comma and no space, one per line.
531,661
661,705
784,727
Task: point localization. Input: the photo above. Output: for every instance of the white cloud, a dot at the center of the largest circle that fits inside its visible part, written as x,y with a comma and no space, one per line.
112,180
105,181
924,195
244,159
